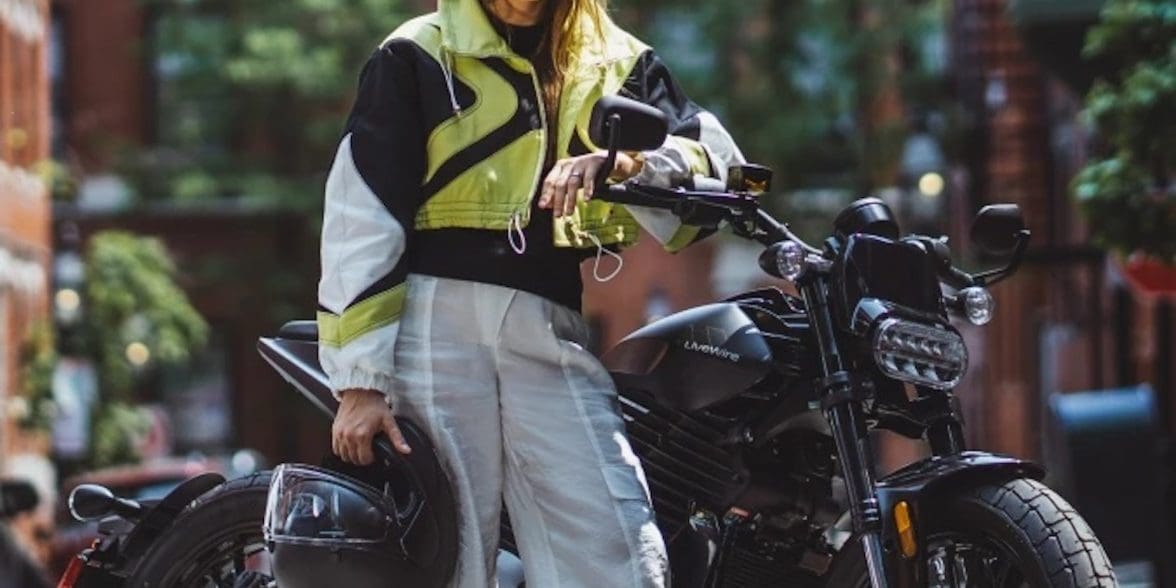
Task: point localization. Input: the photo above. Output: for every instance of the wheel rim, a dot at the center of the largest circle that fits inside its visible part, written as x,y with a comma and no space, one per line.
224,563
959,561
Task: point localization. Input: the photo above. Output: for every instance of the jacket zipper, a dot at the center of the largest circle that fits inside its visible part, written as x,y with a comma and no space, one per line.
525,213
543,130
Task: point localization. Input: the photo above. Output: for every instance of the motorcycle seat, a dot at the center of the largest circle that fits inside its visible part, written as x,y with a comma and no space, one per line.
299,331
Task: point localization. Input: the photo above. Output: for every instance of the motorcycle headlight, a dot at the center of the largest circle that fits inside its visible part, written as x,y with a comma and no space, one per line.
921,354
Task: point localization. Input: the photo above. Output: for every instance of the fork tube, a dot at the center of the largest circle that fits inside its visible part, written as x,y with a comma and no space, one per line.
844,412
946,438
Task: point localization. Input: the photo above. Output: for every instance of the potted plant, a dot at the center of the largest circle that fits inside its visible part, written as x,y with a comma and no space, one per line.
1128,192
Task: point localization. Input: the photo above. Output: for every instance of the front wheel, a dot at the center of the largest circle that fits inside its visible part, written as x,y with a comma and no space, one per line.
1019,533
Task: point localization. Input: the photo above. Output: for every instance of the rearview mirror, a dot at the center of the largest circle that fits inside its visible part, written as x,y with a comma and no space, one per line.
636,126
997,229
90,502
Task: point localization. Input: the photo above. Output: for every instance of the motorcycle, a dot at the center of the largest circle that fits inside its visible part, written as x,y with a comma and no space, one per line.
751,416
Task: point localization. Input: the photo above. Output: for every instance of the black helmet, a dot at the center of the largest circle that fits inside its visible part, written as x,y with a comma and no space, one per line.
391,524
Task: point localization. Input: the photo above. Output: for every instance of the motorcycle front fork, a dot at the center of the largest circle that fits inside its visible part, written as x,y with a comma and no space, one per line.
842,407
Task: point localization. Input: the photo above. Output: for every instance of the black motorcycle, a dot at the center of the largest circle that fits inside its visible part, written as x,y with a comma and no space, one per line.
751,417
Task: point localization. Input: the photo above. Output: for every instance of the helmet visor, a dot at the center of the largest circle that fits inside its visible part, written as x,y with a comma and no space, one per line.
313,506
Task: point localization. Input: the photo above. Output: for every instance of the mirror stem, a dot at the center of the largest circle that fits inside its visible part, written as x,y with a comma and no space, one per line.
128,509
985,279
614,123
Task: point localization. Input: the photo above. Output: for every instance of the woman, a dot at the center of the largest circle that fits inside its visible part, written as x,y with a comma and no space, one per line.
454,229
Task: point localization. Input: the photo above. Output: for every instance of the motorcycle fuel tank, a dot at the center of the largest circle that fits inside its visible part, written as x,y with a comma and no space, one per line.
693,359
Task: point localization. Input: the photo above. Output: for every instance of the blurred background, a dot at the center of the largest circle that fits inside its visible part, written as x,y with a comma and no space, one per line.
162,162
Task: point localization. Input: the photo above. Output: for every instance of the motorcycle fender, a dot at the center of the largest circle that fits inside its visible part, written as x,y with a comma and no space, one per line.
159,517
922,485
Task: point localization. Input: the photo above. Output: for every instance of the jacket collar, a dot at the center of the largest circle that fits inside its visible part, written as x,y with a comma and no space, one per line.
466,29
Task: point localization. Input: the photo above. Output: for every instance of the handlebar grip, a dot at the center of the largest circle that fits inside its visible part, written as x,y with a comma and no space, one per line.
384,449
706,184
620,194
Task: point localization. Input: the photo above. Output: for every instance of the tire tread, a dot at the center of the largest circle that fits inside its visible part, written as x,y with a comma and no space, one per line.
1055,530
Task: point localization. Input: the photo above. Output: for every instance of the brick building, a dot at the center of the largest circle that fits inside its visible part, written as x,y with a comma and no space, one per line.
24,199
24,243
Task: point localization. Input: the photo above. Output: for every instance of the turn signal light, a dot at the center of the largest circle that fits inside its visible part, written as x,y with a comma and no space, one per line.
906,529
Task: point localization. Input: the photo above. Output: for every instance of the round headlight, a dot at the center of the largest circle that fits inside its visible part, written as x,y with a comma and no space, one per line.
790,260
978,305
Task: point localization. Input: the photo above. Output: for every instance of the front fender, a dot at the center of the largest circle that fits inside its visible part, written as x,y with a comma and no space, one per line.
924,484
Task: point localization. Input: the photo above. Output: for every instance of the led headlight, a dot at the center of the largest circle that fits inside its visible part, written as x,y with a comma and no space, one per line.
921,354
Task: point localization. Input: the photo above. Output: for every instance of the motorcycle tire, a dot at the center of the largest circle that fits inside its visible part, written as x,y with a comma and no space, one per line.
1031,527
215,534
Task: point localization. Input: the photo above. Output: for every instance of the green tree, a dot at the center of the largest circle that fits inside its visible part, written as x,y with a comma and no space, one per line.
252,95
134,318
793,80
135,313
1129,192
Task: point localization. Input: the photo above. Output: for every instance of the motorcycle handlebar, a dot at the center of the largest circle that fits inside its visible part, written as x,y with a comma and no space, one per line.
707,198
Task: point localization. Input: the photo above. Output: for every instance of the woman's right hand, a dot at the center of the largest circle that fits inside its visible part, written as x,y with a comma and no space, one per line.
363,414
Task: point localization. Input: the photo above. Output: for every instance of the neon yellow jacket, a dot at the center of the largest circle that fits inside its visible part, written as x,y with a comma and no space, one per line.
448,131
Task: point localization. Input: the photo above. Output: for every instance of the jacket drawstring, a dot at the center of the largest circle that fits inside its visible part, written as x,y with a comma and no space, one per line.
515,227
601,250
447,71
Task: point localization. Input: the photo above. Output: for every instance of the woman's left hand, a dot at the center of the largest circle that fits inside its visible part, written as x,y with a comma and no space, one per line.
570,175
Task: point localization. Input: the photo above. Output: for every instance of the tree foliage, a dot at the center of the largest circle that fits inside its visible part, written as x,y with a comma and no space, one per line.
130,298
794,81
37,359
1129,193
252,95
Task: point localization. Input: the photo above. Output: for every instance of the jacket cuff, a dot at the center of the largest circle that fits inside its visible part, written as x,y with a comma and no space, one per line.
664,167
362,379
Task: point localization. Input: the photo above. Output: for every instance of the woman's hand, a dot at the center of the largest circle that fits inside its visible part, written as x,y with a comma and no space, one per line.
571,175
362,414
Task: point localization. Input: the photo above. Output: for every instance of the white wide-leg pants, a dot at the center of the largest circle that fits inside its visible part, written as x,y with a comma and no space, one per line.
517,408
